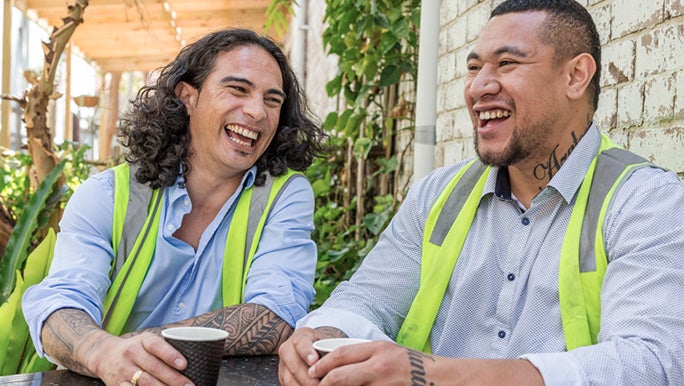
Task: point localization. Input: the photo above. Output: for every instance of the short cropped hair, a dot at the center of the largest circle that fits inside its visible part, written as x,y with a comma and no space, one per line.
568,28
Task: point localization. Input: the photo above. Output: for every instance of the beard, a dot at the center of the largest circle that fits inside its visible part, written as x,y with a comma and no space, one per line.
515,151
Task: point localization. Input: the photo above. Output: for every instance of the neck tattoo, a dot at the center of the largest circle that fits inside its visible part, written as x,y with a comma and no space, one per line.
546,171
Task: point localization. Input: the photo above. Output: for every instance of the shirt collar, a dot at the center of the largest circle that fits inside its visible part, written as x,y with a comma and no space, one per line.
568,178
177,190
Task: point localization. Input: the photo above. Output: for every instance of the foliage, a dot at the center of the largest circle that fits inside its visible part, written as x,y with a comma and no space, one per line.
42,200
15,184
356,188
276,15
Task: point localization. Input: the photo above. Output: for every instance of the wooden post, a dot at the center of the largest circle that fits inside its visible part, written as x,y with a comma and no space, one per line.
5,130
110,115
68,118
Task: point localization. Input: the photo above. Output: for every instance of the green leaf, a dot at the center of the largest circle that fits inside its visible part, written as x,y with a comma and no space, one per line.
19,242
390,75
362,147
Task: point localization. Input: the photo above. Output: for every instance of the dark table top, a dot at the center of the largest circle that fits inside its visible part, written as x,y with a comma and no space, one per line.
235,371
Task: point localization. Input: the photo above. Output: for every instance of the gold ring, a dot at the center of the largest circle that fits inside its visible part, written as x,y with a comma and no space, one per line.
136,377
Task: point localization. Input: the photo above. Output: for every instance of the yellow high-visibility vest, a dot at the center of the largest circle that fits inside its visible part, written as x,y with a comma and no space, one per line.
583,258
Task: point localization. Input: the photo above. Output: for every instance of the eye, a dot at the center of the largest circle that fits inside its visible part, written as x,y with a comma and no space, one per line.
273,101
238,89
473,67
503,63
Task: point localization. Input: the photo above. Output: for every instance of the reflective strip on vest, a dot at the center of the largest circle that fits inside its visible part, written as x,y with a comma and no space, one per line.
583,259
140,206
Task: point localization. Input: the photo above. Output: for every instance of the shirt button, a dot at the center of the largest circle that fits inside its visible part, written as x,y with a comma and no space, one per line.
502,334
181,305
510,277
169,227
186,202
525,221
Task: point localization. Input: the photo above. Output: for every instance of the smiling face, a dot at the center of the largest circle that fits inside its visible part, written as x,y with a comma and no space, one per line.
514,91
234,116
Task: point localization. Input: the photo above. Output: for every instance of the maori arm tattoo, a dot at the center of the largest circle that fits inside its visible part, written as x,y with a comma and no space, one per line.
70,334
418,375
252,329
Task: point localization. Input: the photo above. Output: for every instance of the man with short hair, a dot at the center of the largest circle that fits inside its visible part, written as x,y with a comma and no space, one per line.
554,257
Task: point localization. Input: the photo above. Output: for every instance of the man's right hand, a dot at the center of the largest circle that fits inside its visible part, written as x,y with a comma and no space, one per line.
74,340
297,355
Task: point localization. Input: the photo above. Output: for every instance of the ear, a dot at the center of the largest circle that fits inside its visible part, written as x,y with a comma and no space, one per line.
187,94
581,70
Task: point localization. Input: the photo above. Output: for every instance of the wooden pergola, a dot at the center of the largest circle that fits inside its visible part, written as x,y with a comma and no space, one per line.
120,36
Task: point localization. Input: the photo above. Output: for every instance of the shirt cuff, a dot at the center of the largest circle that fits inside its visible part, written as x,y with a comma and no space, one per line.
556,368
354,325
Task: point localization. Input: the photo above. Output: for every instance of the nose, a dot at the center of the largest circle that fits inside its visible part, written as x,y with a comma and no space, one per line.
482,83
254,107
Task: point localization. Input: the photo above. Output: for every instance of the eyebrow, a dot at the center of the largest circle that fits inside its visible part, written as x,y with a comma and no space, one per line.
250,84
500,51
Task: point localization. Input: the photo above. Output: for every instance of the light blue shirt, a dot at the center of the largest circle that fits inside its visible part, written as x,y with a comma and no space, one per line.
181,283
502,300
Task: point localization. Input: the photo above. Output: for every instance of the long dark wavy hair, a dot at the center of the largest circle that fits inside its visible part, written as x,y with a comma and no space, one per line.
155,129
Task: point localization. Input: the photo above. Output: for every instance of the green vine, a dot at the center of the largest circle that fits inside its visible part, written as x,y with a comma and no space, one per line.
356,188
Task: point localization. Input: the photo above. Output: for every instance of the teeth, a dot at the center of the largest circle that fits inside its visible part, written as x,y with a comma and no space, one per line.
487,115
242,131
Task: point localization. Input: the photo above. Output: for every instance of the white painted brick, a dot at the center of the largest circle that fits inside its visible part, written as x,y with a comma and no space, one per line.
632,15
606,114
463,126
660,50
674,8
465,5
439,155
661,146
448,11
659,96
446,68
679,91
630,105
617,63
444,126
620,137
602,18
476,19
456,151
461,64
456,36
454,95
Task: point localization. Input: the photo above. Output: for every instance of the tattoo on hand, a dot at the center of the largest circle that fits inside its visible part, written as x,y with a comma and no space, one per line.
418,375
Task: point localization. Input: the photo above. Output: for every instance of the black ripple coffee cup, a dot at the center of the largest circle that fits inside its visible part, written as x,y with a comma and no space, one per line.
202,347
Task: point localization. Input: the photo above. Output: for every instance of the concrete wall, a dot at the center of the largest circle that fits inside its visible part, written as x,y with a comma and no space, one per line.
642,81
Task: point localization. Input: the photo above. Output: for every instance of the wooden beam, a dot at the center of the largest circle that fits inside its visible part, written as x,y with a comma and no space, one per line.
5,130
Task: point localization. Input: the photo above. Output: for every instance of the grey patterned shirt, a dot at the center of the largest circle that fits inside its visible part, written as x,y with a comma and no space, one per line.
502,300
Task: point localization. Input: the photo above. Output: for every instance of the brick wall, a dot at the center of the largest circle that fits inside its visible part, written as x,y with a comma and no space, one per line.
642,96
642,81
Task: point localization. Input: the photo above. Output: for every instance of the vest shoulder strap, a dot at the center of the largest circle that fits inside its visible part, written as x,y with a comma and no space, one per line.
131,199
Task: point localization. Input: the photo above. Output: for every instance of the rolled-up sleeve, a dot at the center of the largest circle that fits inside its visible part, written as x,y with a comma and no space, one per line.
79,273
282,273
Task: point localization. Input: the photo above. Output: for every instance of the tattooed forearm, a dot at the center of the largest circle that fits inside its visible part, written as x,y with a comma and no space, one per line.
545,171
418,374
252,329
68,335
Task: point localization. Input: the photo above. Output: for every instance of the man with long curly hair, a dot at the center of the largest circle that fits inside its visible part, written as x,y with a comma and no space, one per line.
215,149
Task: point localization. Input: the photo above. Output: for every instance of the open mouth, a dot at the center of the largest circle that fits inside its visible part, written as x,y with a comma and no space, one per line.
492,116
241,135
